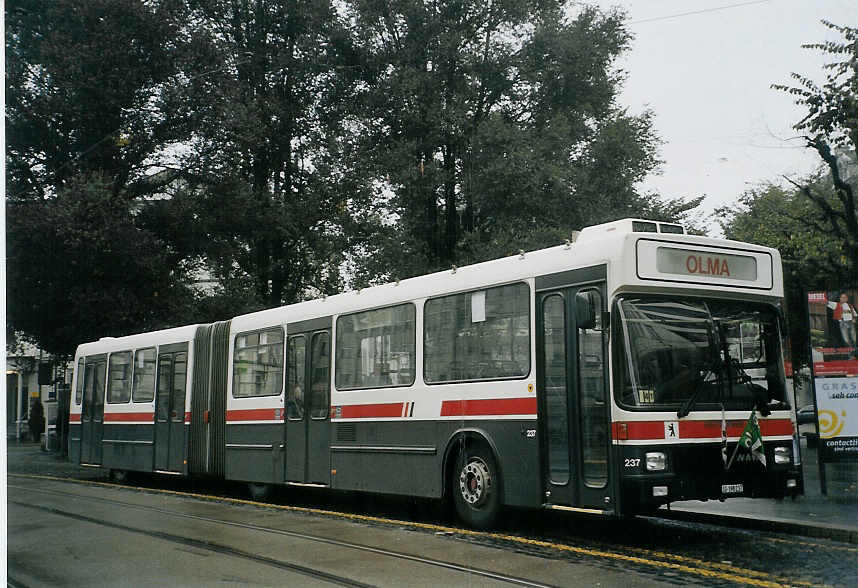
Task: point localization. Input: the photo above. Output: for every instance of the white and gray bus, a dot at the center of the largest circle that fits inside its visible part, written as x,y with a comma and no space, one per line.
596,376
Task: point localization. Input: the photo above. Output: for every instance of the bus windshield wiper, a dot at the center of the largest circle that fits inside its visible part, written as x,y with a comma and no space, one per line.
700,382
689,402
759,393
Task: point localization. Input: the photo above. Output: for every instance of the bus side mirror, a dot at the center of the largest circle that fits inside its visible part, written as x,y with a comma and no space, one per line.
585,309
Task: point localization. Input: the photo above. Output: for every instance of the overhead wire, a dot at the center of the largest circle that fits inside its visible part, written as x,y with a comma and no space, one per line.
701,11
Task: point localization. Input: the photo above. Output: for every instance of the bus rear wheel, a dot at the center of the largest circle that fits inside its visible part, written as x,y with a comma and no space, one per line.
259,491
119,476
476,487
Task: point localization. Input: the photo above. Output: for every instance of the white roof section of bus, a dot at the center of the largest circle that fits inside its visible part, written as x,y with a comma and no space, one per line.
139,341
500,271
611,243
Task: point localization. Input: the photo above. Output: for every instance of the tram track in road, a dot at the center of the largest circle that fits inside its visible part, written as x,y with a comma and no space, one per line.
660,561
226,550
13,583
207,545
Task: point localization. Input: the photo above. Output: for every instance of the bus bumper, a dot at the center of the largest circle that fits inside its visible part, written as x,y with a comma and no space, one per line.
641,494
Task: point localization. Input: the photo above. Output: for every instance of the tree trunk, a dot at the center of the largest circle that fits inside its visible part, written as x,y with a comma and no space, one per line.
451,215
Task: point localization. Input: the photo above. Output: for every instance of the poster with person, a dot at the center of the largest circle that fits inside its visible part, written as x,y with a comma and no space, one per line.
833,322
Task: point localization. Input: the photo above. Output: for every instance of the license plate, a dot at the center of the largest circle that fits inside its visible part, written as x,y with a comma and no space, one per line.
732,488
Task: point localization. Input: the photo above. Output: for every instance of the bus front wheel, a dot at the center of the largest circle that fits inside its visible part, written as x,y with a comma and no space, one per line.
476,487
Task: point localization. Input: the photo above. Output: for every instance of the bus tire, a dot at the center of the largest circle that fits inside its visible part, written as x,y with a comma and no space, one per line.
259,491
476,487
119,476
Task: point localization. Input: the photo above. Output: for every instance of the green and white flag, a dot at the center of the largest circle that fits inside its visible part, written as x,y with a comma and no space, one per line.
752,439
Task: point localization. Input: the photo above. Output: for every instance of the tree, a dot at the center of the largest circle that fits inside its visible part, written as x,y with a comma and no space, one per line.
494,126
82,267
264,160
784,218
830,128
84,131
82,80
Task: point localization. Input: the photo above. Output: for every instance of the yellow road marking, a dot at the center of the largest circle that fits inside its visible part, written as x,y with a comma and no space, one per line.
811,544
717,565
729,573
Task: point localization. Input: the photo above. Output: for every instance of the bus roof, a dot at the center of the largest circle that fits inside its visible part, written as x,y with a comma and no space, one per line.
615,244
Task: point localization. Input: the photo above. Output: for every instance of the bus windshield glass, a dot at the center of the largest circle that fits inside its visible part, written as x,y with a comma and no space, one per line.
689,354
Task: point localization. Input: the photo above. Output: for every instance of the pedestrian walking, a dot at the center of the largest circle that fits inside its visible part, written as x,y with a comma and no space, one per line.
36,420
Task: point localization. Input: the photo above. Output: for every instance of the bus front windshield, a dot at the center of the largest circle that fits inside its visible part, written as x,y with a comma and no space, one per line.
689,354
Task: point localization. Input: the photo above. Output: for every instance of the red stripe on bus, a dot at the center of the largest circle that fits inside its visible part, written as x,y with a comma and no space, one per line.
774,427
488,407
74,418
121,417
369,411
638,430
254,414
712,429
645,430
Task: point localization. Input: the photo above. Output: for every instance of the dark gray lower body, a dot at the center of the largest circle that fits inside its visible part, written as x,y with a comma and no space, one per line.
390,457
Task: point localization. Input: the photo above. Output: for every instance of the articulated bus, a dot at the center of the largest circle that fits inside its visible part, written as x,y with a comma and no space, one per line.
609,375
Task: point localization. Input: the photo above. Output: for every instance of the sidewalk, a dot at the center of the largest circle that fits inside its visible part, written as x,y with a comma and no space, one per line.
27,457
831,516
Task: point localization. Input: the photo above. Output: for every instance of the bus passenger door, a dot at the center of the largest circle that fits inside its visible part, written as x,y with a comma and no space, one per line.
296,421
319,425
308,404
574,411
170,411
92,417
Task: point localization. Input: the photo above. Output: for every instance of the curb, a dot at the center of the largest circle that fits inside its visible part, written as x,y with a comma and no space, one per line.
790,527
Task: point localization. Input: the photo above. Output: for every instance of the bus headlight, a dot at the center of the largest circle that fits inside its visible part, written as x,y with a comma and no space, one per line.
656,461
783,455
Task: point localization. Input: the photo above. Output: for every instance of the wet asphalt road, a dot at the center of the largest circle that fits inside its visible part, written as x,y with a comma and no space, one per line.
627,551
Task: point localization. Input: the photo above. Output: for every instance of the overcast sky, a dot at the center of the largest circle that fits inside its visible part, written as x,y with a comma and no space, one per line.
705,68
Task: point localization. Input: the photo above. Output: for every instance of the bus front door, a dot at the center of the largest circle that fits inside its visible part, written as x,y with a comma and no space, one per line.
308,402
574,412
92,416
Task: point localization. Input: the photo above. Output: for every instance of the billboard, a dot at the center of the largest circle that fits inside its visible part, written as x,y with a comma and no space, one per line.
834,348
837,413
833,320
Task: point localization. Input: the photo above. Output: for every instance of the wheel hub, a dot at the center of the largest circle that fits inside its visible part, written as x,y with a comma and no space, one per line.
475,482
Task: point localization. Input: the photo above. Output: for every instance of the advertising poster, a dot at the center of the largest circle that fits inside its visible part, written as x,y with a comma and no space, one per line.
833,320
837,410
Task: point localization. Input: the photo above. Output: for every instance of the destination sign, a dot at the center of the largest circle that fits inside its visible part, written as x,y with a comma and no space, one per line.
693,264
706,264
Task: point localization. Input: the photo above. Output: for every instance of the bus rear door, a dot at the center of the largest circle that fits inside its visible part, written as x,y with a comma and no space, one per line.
308,402
92,416
170,408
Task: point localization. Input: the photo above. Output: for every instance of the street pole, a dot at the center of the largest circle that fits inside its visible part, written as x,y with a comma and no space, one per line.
18,392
